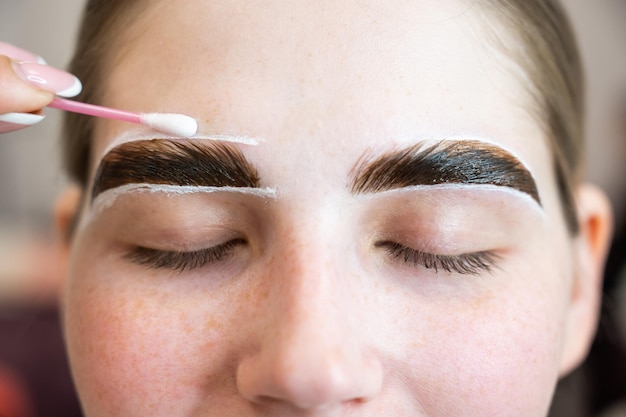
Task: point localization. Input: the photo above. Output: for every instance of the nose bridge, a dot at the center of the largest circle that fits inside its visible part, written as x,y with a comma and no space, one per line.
312,290
311,353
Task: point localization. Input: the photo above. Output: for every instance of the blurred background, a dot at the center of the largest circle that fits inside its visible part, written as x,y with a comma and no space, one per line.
34,380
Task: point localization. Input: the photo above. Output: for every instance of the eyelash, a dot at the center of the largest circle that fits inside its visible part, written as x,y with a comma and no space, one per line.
465,264
182,261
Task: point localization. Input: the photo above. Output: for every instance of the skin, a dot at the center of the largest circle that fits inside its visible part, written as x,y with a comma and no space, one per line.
310,317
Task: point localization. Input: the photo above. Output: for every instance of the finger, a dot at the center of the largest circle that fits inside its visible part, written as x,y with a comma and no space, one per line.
10,122
27,85
16,95
48,78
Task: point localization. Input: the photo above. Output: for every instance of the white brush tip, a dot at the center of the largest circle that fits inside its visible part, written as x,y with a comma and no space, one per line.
171,123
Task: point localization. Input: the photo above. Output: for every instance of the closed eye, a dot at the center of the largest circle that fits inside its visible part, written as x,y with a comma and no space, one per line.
183,261
474,263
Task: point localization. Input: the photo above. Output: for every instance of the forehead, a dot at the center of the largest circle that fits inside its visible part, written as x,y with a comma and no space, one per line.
316,78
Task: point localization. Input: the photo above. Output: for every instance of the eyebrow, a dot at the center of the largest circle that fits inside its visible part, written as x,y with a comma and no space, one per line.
184,163
446,162
174,162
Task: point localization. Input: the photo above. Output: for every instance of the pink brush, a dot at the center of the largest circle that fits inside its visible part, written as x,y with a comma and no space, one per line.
172,124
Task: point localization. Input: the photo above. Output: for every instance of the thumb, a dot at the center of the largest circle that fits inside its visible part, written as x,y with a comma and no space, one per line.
16,95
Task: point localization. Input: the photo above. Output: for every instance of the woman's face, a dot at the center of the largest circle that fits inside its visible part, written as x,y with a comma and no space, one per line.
338,267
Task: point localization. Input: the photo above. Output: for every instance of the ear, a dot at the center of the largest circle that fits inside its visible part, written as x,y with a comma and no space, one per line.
66,211
590,251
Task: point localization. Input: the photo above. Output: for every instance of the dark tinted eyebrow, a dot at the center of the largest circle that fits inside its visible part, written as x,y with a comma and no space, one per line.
446,162
174,162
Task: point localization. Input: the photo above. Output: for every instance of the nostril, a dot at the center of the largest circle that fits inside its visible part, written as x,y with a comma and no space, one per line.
309,384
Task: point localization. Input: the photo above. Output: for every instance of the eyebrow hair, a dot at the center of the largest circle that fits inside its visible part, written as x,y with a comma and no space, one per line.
447,162
174,162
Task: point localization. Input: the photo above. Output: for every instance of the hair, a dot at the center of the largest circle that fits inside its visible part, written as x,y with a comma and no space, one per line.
542,45
102,29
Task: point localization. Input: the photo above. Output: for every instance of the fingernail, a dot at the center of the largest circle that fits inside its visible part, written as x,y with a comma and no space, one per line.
49,78
19,54
15,121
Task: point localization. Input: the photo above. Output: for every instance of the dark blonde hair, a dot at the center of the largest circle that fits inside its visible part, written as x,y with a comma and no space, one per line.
542,44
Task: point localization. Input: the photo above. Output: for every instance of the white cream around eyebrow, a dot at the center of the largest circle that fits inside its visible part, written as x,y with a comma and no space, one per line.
427,139
499,190
105,199
108,197
142,134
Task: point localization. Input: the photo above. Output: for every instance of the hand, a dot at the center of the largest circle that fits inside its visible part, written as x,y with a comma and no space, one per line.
27,85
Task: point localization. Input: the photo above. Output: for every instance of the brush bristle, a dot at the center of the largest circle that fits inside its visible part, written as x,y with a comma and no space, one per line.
171,123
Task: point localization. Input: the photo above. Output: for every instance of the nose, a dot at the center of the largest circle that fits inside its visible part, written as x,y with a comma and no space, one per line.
312,349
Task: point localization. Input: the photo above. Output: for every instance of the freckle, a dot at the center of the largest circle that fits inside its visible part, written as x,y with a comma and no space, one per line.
387,289
414,346
138,305
211,323
208,346
479,303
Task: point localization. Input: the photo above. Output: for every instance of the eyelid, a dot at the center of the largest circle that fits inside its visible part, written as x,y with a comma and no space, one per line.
486,191
107,198
472,263
462,220
182,261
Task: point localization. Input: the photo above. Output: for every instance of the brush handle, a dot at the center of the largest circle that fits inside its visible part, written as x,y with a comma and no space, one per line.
93,110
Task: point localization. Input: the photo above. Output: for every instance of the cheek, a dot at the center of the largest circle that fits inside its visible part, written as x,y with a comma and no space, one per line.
136,348
496,353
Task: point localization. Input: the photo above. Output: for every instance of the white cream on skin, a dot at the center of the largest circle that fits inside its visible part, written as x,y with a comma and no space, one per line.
428,138
488,188
108,197
143,134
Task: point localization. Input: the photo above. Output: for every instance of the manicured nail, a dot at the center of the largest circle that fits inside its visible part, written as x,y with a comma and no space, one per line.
15,121
19,54
49,78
